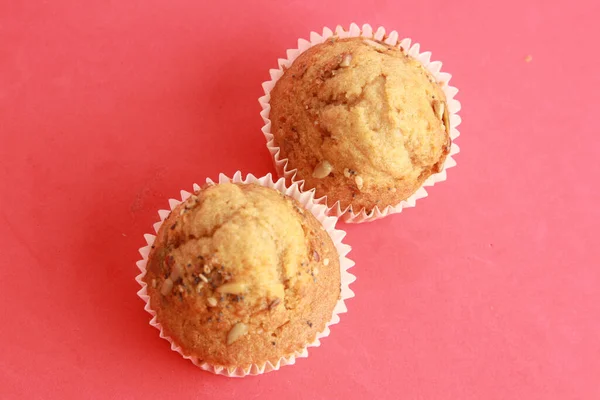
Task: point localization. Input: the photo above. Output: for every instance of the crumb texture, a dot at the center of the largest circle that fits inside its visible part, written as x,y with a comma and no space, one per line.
374,116
237,275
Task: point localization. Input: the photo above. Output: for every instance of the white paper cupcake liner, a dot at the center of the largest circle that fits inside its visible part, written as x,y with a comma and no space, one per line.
306,199
281,164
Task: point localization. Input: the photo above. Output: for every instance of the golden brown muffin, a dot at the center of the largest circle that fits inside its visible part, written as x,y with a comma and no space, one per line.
240,274
361,121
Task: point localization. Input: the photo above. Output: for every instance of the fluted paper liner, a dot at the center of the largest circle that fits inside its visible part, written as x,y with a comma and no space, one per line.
281,164
306,199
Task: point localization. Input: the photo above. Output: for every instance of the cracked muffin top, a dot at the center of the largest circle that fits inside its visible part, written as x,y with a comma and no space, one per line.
362,122
240,274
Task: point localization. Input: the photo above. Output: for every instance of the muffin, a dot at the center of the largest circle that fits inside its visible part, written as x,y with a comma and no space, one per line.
362,122
241,275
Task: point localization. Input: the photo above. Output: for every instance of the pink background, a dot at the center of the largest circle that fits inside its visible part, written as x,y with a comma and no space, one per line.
488,289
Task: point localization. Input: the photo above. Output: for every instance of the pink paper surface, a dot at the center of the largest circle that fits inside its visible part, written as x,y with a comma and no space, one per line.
488,289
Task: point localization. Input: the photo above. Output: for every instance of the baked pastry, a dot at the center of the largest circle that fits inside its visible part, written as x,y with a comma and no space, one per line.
361,122
240,275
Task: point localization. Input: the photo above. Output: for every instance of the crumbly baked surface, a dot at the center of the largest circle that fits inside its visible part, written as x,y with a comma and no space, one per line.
241,274
362,122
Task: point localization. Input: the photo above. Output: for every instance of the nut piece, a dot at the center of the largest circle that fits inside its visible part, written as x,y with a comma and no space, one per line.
175,273
167,286
274,303
316,256
349,172
438,108
346,60
232,288
212,301
359,182
205,279
446,122
326,262
238,330
322,170
377,46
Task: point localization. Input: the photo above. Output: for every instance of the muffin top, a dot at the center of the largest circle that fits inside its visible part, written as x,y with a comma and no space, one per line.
241,274
361,121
